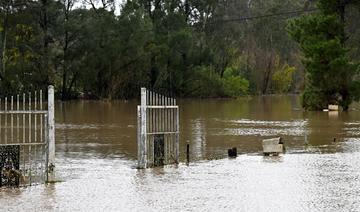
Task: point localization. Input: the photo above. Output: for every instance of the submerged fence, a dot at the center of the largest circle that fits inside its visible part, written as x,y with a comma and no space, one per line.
27,138
158,130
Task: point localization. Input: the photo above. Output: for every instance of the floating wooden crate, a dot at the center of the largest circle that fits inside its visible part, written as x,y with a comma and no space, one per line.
273,146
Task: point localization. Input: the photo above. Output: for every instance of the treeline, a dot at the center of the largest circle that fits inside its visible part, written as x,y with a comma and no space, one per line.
191,48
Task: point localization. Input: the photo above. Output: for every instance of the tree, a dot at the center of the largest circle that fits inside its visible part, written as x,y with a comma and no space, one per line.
329,72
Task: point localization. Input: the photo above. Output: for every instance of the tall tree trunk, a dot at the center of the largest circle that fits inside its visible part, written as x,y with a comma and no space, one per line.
45,51
64,93
3,47
267,74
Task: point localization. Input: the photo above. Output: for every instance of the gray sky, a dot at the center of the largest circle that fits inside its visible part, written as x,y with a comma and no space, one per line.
82,3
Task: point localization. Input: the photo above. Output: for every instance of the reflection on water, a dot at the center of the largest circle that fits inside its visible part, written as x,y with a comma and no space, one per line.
96,156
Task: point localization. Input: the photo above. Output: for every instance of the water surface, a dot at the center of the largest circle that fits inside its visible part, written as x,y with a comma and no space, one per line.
96,158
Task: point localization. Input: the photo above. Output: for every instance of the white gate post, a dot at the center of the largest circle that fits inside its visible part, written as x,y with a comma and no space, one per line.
139,136
142,145
51,135
177,139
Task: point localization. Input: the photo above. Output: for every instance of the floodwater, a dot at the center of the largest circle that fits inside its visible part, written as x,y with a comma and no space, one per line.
96,159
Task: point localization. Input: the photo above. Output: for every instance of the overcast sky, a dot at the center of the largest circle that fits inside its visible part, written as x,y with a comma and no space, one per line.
82,3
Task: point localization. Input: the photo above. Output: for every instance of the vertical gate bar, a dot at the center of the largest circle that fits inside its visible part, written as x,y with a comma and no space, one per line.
23,116
165,128
168,123
5,121
170,127
35,135
162,114
177,135
12,119
17,119
51,133
30,150
29,117
147,111
41,116
46,147
158,121
148,119
41,137
174,128
150,113
17,128
165,123
172,124
153,112
24,132
0,123
35,118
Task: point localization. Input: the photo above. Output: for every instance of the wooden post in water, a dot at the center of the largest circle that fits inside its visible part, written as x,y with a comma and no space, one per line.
51,135
187,153
232,153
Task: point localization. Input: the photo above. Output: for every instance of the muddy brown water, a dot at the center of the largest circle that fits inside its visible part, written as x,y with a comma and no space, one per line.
96,158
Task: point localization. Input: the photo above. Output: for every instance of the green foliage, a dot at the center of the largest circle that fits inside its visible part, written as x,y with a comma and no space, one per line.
233,84
282,77
182,47
313,99
329,73
204,82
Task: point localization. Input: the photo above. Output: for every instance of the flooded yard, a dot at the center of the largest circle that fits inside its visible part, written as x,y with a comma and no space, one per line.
96,158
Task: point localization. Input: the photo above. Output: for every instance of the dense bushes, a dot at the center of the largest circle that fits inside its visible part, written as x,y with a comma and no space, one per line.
204,82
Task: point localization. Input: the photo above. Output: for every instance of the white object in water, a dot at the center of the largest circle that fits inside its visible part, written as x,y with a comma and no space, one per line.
333,107
272,146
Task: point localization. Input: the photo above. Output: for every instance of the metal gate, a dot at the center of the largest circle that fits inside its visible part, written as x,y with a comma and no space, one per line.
27,142
158,130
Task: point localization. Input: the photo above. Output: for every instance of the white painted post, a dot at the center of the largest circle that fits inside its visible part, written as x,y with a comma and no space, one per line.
143,146
177,135
51,135
139,135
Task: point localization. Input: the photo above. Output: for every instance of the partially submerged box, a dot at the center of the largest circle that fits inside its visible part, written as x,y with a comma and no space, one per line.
272,146
333,107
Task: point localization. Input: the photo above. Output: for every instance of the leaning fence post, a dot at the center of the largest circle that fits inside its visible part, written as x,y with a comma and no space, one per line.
51,134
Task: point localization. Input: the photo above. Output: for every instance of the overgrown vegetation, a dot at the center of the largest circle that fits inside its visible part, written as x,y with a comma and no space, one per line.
191,48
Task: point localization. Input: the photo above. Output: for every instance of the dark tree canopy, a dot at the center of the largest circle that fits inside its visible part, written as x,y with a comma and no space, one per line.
191,48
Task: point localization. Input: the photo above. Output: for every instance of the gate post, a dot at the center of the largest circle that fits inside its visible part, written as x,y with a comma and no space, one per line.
51,135
142,142
177,139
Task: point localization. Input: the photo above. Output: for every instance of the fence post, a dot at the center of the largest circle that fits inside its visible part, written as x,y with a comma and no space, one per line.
142,145
139,136
51,135
177,138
